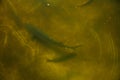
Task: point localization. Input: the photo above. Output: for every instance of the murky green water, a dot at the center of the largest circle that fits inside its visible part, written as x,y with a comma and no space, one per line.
42,50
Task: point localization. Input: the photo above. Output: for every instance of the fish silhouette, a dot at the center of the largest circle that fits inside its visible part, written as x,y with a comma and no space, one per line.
42,37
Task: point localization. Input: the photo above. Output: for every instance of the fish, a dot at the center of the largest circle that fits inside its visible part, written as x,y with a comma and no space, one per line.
62,58
44,38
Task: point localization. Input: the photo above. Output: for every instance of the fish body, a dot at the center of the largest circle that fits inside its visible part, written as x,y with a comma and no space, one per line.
42,37
63,58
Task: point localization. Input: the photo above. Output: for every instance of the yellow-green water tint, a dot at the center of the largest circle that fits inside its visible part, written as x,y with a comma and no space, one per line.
94,25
